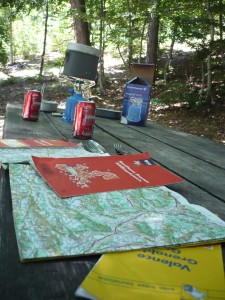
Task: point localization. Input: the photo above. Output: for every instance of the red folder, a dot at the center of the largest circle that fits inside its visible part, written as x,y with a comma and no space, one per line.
85,175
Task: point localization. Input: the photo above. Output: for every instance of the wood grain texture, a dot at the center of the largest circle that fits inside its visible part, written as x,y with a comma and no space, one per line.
15,125
206,174
200,161
45,280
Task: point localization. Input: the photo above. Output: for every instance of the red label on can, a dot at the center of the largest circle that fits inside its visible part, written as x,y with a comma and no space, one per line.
84,119
31,106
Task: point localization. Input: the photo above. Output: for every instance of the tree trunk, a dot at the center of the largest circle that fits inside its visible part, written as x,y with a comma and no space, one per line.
142,38
203,77
170,55
209,58
45,38
11,37
121,55
152,47
221,31
130,39
102,47
81,29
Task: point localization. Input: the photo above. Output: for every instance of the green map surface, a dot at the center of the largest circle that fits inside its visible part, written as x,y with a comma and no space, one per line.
20,155
50,227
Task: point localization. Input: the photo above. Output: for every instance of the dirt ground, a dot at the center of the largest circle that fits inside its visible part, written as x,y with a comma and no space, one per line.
208,123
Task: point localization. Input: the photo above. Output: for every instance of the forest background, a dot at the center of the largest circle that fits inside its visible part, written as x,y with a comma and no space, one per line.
184,39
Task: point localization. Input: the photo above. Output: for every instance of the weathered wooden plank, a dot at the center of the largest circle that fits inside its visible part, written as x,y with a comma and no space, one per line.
199,147
195,170
65,128
102,135
197,196
190,191
59,279
16,125
66,131
203,174
44,280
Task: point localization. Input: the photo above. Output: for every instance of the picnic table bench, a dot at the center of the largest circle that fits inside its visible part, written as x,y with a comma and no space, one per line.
199,161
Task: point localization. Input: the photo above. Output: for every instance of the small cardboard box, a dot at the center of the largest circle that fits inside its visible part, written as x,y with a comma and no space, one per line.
143,70
136,102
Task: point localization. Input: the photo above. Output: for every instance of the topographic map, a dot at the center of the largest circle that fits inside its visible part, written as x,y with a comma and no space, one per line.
20,155
50,227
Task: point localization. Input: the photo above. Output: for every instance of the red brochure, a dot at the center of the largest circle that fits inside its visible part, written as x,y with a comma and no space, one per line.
34,143
86,175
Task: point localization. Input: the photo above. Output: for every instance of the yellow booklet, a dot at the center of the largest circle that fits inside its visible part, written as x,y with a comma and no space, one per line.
157,274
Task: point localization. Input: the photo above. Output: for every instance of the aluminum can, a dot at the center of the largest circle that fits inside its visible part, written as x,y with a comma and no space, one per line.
84,119
31,105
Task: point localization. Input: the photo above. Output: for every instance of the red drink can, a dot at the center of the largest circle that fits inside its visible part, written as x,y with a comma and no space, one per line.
31,105
84,119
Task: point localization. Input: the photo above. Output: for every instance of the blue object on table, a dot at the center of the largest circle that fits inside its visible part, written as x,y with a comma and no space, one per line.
136,102
71,102
134,113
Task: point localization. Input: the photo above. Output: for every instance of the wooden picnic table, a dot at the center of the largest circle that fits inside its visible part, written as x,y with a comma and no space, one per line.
199,161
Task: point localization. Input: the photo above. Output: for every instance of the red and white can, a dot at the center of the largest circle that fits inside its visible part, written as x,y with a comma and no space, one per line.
84,120
31,105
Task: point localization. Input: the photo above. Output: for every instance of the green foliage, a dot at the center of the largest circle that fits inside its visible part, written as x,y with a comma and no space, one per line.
22,6
56,62
3,37
13,80
125,24
60,29
27,35
177,93
3,54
